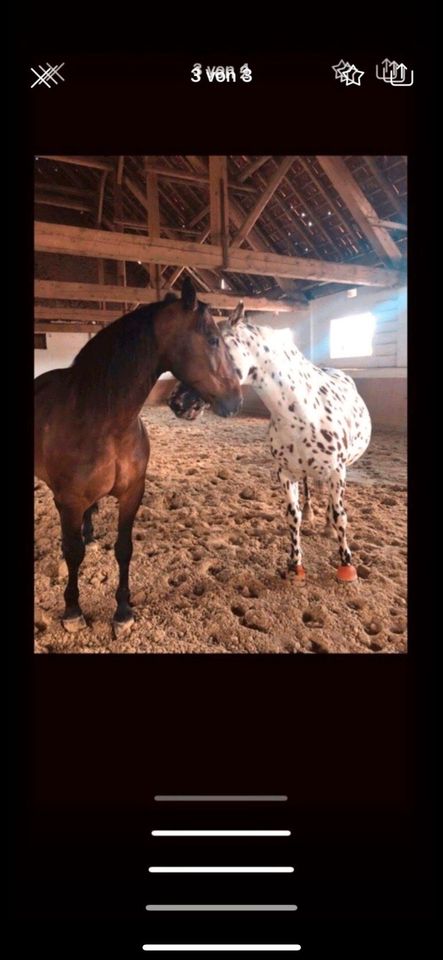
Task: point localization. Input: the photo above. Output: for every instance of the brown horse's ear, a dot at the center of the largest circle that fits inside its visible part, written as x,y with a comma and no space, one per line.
170,298
189,296
237,314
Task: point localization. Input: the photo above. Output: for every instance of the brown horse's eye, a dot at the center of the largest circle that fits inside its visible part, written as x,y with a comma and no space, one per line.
213,341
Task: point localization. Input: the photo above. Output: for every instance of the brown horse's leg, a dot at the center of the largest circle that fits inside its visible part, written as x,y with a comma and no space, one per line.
128,506
73,552
88,529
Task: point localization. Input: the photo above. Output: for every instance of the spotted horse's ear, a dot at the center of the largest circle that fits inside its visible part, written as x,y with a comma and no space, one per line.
237,314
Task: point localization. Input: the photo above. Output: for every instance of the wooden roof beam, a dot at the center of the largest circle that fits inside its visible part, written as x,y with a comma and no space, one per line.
65,189
70,327
112,293
384,184
170,173
388,224
251,168
255,240
139,195
70,203
263,199
340,213
79,241
360,207
95,163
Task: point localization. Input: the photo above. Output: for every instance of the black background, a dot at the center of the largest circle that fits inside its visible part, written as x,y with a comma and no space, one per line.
348,738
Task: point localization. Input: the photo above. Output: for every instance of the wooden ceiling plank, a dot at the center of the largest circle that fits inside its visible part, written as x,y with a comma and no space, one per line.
260,204
79,241
237,215
96,163
387,188
347,187
251,168
169,173
68,203
153,223
111,293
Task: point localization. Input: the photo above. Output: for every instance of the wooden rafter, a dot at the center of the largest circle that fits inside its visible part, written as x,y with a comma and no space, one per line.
260,204
389,224
70,327
173,173
385,185
206,278
254,239
251,168
98,220
96,163
66,203
118,212
58,238
112,293
310,219
64,190
360,207
334,208
153,223
179,270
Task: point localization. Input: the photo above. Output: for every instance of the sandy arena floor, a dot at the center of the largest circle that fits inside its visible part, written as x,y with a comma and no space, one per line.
211,544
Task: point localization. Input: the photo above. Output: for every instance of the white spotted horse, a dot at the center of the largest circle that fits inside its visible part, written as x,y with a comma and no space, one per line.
319,425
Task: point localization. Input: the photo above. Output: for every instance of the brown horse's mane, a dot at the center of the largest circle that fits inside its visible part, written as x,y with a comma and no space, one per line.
108,363
121,355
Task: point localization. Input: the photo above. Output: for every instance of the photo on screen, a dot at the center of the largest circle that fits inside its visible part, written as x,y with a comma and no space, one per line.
220,404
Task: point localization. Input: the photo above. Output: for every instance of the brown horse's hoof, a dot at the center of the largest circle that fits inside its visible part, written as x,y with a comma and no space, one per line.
74,624
347,573
308,516
122,627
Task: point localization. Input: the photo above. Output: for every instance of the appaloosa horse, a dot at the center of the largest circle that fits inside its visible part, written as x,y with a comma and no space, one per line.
89,438
319,424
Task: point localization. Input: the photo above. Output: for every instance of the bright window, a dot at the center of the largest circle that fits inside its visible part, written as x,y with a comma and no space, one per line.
352,336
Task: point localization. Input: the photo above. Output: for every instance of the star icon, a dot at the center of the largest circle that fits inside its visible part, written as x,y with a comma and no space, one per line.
353,76
338,69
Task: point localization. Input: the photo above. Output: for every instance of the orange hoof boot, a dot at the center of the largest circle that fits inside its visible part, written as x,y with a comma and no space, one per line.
299,572
347,573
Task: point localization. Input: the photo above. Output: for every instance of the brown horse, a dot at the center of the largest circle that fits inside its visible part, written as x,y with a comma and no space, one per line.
89,438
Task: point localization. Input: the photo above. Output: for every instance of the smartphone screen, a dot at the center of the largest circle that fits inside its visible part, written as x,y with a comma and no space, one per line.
224,699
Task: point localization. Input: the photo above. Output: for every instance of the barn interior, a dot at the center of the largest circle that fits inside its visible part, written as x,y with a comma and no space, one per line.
315,245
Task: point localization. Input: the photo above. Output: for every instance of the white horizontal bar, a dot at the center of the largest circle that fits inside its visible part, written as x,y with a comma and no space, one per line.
224,907
221,869
221,833
188,798
221,947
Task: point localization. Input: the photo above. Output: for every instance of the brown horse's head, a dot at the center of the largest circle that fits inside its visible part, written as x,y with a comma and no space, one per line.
192,348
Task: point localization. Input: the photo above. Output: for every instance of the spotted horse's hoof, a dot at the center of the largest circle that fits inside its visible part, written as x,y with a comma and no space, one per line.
347,573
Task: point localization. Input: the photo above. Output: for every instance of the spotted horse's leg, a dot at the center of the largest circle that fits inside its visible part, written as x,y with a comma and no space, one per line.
329,529
346,573
293,511
308,513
